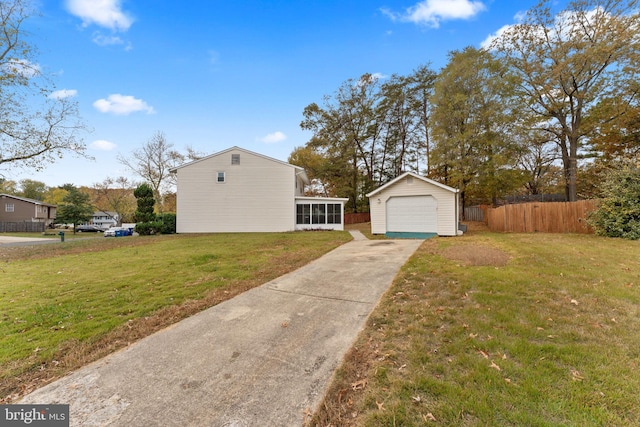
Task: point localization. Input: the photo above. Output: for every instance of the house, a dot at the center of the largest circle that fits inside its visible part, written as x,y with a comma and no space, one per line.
237,190
413,205
105,219
20,209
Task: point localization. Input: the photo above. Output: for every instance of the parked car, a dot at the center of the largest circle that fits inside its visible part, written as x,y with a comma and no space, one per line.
117,232
87,229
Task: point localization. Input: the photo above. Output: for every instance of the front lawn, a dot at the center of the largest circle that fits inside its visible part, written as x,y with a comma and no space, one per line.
63,305
500,329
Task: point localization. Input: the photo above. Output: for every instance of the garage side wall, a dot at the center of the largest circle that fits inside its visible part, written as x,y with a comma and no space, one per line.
446,211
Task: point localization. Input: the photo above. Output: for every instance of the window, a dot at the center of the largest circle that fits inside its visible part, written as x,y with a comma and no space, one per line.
303,214
318,213
220,177
9,207
235,159
333,214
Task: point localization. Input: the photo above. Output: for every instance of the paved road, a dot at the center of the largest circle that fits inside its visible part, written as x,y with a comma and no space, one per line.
25,241
263,358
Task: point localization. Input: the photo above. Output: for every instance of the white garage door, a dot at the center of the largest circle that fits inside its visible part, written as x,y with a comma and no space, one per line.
412,214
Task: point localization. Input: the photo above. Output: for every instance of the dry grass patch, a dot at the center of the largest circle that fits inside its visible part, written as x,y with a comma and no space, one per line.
476,255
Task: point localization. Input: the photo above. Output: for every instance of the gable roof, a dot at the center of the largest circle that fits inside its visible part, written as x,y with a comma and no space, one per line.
415,175
24,199
299,170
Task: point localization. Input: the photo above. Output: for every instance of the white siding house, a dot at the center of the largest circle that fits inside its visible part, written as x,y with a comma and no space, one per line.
237,190
414,204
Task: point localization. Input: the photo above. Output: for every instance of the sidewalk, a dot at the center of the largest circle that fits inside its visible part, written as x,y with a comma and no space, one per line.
262,358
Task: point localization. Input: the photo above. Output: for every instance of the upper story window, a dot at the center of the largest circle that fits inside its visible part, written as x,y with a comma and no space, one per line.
221,177
9,207
235,159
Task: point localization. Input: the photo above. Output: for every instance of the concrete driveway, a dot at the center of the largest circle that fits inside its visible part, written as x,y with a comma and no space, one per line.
263,358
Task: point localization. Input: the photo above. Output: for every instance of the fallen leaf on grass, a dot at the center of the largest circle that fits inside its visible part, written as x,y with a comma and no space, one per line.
416,399
485,355
380,405
574,302
359,385
576,375
494,366
429,417
308,414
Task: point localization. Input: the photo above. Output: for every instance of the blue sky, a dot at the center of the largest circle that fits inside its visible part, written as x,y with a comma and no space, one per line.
213,74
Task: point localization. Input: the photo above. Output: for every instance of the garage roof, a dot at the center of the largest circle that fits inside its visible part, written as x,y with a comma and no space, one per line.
415,175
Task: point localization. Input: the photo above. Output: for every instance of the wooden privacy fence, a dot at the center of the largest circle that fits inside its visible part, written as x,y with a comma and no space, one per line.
357,218
554,217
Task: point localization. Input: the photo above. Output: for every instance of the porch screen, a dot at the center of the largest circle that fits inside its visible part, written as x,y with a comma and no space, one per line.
319,213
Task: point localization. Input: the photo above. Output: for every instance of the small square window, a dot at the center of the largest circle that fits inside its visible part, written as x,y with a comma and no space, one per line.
235,159
9,207
220,177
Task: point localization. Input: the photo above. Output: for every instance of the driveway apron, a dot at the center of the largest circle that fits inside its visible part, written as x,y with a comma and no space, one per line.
263,358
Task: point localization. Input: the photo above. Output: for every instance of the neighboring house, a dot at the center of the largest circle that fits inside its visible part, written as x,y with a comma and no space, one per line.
20,209
237,190
415,206
105,219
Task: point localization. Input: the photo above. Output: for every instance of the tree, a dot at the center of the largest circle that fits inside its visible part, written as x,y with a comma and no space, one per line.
32,189
115,195
37,127
568,62
76,207
8,186
399,125
421,85
618,213
145,216
153,161
537,164
55,195
346,132
315,166
473,149
618,139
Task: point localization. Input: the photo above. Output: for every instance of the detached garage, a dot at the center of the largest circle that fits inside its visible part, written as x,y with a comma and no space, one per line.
415,206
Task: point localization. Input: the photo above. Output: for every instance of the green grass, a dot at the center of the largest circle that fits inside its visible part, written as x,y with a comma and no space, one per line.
551,338
59,296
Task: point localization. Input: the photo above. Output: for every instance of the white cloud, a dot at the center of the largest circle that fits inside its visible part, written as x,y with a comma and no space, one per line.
486,43
104,13
22,67
103,145
379,76
63,93
432,12
274,137
102,40
568,23
122,105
